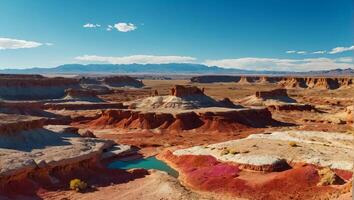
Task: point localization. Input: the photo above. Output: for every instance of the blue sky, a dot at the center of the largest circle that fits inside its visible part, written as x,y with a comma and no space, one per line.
254,34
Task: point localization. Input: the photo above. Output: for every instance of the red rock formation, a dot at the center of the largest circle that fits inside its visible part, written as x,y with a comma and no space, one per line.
290,107
206,174
272,93
82,106
288,82
249,79
182,91
211,121
88,134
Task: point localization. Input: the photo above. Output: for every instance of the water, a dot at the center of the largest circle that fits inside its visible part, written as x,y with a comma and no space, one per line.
144,163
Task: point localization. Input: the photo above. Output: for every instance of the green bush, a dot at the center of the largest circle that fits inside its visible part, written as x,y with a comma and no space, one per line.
78,185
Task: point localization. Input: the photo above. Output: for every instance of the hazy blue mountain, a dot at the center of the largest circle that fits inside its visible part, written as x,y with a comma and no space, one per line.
173,68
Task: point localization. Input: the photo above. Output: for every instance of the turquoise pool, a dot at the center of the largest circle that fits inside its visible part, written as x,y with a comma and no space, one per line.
144,163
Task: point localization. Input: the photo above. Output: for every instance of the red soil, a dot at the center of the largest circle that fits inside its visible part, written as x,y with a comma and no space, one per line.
205,173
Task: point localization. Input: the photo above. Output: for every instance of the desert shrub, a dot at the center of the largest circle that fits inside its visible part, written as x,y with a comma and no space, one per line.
328,177
234,151
224,152
78,185
292,144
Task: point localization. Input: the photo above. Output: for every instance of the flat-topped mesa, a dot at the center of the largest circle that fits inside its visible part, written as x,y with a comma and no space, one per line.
272,93
122,81
182,91
12,124
34,87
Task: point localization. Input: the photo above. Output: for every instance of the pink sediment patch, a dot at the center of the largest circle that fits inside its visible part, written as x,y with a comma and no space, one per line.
205,173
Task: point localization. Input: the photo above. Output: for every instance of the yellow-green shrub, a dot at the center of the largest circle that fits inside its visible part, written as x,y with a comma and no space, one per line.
78,185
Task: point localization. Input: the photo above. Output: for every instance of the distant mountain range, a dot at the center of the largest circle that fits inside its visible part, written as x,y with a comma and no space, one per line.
173,68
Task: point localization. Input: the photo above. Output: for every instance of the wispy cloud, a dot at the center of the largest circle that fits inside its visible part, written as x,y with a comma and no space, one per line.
332,51
89,25
341,49
319,52
8,43
278,64
297,52
137,59
109,27
290,51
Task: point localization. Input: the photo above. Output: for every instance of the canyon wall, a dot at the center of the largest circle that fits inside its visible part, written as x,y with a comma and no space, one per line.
287,82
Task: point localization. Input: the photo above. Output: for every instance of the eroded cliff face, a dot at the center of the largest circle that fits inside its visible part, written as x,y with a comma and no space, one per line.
34,155
287,82
201,120
12,124
23,87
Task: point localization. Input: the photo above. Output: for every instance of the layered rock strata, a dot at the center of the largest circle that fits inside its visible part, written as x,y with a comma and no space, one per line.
23,87
287,82
197,119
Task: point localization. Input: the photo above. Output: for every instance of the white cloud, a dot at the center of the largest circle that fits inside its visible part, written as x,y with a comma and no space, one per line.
8,43
278,64
124,27
137,59
49,44
291,51
319,52
89,25
298,52
341,49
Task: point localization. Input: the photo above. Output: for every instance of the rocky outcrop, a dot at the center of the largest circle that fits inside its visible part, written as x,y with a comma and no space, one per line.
291,107
327,150
43,153
122,81
276,97
272,93
183,91
214,79
11,124
181,98
23,87
82,106
202,120
82,95
287,82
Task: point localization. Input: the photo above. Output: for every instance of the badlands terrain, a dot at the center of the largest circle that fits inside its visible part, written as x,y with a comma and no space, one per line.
227,137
